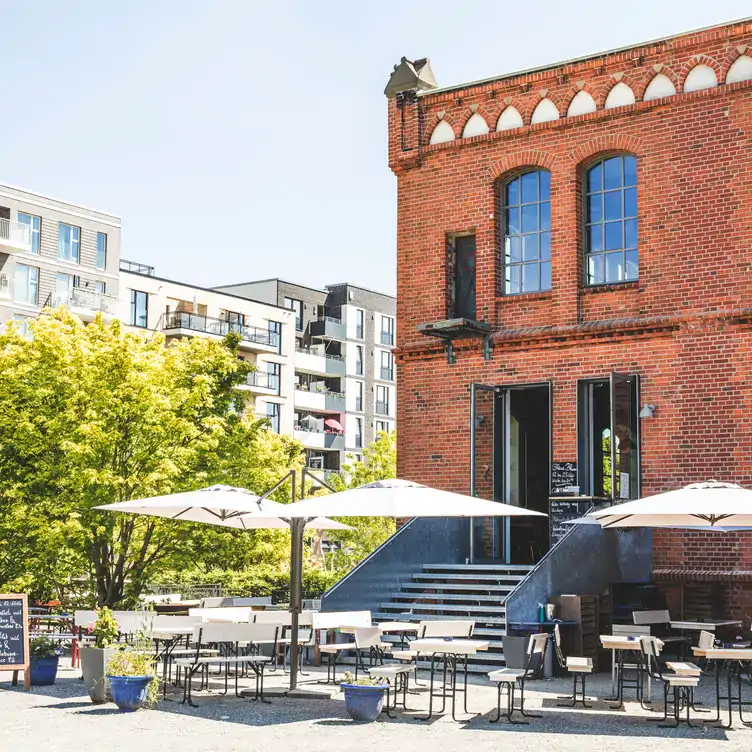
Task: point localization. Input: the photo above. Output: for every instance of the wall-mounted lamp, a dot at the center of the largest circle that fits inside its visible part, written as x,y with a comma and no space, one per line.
647,411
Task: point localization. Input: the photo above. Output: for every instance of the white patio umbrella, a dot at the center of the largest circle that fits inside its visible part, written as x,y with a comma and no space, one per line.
709,505
226,506
385,498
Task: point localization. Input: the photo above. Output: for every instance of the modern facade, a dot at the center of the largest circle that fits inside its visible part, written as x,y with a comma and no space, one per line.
54,252
574,277
344,365
266,332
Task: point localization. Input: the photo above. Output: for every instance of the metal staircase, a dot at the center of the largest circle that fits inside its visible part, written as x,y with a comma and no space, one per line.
458,591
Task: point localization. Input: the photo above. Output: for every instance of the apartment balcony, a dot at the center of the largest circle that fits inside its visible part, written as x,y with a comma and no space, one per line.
260,382
86,303
313,439
14,237
182,323
327,327
135,268
319,402
317,362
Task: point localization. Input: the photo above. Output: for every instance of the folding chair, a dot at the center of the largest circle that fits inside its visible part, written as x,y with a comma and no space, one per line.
578,667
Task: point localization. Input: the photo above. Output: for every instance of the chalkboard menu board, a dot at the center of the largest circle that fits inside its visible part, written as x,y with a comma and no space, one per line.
561,509
564,479
14,632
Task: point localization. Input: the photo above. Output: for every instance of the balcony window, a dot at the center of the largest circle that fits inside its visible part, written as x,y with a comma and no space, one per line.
382,400
26,284
100,287
387,330
360,325
69,243
358,360
272,413
64,284
387,366
34,224
297,306
139,308
275,335
358,433
101,261
273,374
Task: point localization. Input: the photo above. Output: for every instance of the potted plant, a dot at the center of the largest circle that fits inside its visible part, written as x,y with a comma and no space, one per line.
44,655
364,698
133,682
94,657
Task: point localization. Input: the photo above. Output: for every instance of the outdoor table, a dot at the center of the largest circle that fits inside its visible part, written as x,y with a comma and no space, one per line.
448,652
621,645
708,626
737,662
170,639
395,627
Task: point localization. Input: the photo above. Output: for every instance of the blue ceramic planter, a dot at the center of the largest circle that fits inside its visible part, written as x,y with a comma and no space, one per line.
129,692
43,671
364,703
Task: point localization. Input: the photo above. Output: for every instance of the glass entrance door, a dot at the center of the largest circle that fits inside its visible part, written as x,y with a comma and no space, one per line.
486,431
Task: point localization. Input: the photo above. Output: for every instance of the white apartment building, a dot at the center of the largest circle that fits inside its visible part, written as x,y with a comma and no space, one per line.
267,336
54,253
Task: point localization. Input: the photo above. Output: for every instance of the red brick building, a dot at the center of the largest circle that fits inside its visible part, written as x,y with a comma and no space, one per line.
575,240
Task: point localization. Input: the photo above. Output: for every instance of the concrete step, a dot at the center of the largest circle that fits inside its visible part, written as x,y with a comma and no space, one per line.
463,587
458,607
522,569
464,577
446,597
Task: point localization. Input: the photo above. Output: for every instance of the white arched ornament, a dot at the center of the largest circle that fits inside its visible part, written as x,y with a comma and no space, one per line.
545,112
700,77
509,119
475,126
442,133
741,70
619,96
581,104
660,86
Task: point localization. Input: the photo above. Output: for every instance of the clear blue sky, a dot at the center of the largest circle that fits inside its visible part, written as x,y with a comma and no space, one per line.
242,139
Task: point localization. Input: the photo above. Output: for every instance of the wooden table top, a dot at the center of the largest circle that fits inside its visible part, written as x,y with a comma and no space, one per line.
724,654
439,645
709,626
622,642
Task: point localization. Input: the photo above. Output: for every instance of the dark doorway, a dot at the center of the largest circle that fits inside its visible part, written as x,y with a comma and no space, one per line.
510,462
464,277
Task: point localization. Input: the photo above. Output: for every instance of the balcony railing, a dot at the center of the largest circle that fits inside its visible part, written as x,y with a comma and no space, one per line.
331,319
387,374
324,392
382,408
309,351
197,322
136,268
387,338
15,234
86,299
263,380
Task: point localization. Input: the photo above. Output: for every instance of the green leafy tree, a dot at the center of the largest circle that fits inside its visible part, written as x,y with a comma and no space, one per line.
91,415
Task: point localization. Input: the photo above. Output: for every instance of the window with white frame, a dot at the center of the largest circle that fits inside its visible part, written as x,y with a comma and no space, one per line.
26,284
358,432
358,360
34,224
382,400
101,261
387,330
382,426
69,243
359,396
360,323
139,308
386,372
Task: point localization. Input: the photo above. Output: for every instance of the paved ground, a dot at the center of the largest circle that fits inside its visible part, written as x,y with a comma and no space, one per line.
61,718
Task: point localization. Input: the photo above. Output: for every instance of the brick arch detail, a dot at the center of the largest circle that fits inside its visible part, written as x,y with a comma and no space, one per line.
434,121
574,91
555,98
699,60
650,75
525,112
628,79
521,158
606,143
483,112
730,59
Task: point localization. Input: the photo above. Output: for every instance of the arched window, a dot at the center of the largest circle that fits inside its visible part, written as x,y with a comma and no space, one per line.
527,233
611,221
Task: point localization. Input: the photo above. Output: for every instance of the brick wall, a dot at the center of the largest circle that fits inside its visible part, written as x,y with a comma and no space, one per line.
684,326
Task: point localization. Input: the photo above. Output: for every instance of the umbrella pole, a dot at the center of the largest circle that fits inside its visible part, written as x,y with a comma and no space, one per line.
297,528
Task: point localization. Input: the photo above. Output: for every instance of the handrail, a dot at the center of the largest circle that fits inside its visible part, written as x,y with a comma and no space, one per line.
16,232
198,322
136,268
309,351
339,395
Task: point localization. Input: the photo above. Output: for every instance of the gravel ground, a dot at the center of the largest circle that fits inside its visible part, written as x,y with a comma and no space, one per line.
61,718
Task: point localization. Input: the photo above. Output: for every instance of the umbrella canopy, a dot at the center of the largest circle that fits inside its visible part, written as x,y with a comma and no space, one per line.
401,498
218,505
708,505
335,424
